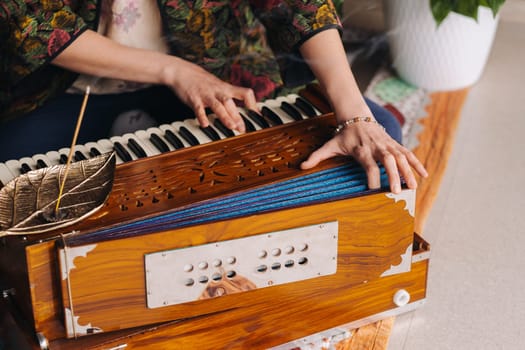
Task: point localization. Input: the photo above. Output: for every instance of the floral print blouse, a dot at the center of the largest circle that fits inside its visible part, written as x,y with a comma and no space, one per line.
251,43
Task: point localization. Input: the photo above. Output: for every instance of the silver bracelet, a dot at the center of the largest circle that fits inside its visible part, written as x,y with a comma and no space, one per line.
354,120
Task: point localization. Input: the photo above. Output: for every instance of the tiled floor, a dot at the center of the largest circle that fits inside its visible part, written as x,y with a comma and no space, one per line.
476,287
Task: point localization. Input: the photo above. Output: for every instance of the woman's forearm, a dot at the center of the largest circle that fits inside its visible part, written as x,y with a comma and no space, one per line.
326,57
99,56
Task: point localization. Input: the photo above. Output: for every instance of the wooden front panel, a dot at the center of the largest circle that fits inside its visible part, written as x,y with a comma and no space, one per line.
108,284
44,285
259,326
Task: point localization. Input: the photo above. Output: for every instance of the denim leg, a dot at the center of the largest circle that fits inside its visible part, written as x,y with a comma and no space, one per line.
51,127
386,119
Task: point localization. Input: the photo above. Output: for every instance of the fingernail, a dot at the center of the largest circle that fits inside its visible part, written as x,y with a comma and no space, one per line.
396,188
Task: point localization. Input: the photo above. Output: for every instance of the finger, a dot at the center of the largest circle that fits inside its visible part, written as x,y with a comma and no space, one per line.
405,170
247,97
390,164
325,152
372,172
364,156
223,114
233,111
416,164
200,113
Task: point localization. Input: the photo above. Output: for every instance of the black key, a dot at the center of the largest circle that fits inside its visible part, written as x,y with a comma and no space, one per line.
158,143
93,152
173,139
291,111
257,118
271,115
79,156
40,164
211,133
122,152
248,125
188,136
24,168
306,107
63,158
222,128
136,148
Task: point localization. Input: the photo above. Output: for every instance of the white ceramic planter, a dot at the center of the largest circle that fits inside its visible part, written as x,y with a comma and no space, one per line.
448,57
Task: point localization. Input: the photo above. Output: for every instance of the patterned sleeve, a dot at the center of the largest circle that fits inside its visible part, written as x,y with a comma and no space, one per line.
289,23
33,33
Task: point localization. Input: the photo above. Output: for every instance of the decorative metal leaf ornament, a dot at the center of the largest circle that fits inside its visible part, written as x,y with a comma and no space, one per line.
28,202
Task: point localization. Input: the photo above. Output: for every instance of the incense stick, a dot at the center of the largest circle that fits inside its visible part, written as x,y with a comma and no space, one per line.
72,149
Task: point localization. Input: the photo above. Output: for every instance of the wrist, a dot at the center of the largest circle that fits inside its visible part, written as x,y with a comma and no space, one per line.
345,123
356,107
168,72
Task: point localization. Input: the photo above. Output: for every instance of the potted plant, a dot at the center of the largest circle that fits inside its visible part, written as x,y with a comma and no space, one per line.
441,44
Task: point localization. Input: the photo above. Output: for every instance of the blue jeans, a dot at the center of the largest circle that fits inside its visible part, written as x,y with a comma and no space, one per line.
51,127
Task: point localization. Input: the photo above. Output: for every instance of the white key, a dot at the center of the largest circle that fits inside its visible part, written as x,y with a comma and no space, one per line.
293,97
280,111
14,167
5,174
193,127
53,158
123,142
105,146
165,127
212,118
247,115
29,161
274,106
64,151
160,134
141,138
43,158
91,145
82,149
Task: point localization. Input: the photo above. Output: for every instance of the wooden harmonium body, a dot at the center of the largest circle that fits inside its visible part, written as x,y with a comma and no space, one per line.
227,245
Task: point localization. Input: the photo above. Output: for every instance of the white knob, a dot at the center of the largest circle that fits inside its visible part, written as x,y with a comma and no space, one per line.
276,252
401,298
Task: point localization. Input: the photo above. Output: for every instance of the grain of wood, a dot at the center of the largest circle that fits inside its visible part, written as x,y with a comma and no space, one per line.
436,142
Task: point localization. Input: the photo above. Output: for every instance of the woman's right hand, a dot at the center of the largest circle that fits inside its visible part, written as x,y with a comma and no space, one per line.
195,86
200,89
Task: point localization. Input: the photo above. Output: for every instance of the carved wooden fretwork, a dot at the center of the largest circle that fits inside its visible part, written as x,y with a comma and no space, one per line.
171,181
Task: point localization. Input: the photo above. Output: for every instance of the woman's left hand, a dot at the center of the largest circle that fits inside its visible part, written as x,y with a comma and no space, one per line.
368,143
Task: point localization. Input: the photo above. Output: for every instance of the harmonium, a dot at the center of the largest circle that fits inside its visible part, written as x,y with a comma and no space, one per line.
224,244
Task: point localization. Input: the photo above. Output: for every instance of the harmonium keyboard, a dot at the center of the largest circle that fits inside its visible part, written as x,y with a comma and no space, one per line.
217,242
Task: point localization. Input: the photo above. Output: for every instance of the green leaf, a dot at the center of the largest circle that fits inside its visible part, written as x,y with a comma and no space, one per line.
440,9
467,8
494,5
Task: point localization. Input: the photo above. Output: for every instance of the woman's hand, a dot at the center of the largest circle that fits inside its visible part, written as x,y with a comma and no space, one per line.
94,54
200,89
368,143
